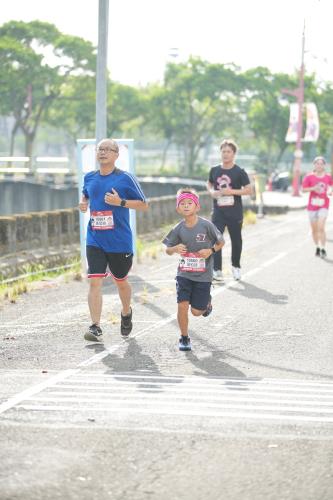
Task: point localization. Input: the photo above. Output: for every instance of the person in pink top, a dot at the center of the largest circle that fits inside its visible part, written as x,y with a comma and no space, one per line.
318,185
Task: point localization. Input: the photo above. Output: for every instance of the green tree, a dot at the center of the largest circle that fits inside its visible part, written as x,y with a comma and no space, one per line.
75,108
36,60
125,108
267,118
196,101
324,101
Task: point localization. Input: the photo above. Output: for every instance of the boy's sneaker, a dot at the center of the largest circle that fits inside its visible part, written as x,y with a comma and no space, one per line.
236,273
184,343
126,324
217,275
94,333
317,254
209,308
323,253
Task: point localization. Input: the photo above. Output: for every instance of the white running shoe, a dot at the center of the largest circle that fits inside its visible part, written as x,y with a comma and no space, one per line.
217,275
236,273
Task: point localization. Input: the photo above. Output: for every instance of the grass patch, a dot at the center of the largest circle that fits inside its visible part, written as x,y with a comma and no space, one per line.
147,249
250,217
32,273
150,245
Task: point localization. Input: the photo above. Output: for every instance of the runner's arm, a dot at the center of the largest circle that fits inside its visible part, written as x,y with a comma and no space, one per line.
244,191
180,248
114,199
207,252
308,189
212,191
83,205
137,205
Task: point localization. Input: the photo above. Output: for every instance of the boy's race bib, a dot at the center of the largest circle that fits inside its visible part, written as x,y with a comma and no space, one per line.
100,221
192,262
317,202
225,201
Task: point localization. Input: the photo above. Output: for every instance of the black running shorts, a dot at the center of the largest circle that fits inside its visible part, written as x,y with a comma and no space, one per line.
197,293
119,263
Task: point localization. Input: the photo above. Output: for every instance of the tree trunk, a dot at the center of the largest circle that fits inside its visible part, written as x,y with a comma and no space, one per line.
12,142
164,154
29,145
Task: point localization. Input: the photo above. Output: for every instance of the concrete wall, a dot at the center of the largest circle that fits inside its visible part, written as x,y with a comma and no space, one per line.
21,197
52,238
41,230
38,230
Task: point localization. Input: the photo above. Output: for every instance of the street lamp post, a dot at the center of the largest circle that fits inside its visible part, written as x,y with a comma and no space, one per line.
299,94
101,71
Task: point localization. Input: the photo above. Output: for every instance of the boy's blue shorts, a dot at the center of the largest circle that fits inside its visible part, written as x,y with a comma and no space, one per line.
197,293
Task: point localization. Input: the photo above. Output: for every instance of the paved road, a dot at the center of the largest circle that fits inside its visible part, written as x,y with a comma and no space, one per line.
248,414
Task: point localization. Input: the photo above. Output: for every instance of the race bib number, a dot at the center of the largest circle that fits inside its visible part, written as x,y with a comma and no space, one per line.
100,221
192,262
225,201
317,202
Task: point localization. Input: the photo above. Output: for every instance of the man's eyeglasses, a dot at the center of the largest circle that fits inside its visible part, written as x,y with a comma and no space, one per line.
106,150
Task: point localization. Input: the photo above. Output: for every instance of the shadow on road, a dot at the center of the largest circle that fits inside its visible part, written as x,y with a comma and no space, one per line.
214,365
132,362
144,293
281,368
253,292
329,261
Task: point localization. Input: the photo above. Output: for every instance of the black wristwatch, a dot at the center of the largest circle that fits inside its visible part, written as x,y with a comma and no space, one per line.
123,203
213,249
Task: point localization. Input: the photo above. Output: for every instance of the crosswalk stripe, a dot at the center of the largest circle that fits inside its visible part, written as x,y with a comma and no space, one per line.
181,389
207,380
203,387
182,396
169,411
206,404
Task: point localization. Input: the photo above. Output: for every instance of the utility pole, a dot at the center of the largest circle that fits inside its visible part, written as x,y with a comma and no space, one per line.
299,94
101,71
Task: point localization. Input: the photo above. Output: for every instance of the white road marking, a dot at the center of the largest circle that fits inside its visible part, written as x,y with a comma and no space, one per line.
204,381
174,411
18,398
145,397
134,404
108,388
300,401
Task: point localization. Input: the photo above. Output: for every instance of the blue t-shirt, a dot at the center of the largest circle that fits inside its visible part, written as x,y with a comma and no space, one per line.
109,225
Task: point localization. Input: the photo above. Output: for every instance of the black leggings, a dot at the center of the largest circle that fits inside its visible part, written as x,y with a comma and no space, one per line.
235,231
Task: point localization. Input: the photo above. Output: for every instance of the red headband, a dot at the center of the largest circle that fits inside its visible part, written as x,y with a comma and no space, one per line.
188,196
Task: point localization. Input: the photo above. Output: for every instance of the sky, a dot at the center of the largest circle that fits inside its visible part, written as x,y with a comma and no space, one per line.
142,33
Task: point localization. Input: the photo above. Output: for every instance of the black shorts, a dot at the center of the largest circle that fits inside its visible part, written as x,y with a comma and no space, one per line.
197,293
98,261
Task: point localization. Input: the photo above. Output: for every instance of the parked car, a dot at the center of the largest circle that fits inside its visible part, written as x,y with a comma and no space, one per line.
281,181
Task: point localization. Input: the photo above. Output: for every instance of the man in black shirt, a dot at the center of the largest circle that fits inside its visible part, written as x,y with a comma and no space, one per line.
227,183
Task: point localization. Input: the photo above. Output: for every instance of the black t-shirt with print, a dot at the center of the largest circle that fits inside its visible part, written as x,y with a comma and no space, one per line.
234,178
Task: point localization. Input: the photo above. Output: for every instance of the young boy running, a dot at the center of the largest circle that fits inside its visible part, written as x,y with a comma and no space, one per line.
195,239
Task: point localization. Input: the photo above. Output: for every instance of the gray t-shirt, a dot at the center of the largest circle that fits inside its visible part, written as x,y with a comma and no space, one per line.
203,235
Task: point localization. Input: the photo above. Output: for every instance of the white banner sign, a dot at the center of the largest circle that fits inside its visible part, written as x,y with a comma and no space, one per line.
312,123
293,123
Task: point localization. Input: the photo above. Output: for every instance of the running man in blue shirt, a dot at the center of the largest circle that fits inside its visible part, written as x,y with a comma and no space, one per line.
109,193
